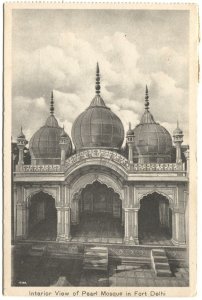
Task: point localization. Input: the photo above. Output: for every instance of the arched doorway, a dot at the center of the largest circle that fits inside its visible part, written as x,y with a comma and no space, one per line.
99,214
155,220
42,217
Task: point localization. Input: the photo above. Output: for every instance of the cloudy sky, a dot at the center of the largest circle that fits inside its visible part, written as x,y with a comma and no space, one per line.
58,50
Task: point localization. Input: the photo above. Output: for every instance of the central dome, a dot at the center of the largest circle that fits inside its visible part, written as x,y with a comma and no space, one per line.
97,126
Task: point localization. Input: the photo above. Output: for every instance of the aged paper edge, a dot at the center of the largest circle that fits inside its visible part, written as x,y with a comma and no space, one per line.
193,62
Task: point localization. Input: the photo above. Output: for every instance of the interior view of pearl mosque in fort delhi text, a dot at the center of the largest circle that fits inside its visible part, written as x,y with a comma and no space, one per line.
102,207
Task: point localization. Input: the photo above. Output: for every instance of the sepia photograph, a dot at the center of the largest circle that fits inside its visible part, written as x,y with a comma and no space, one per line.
99,143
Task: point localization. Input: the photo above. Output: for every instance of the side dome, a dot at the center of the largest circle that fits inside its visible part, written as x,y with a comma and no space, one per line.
153,143
97,126
44,144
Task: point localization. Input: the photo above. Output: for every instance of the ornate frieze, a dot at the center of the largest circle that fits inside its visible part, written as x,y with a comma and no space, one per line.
97,153
39,168
154,167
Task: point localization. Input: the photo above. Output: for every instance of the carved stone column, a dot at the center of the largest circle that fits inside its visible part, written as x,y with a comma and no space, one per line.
131,226
22,219
67,223
63,224
178,228
75,210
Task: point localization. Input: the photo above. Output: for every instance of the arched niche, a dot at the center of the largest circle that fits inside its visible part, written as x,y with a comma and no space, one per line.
86,179
169,193
53,191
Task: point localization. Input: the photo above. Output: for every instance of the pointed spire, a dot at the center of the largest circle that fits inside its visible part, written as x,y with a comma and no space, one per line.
177,124
97,85
63,133
52,104
146,99
21,134
130,131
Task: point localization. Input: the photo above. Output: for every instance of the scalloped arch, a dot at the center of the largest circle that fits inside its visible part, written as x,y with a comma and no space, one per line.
85,180
102,183
45,191
159,192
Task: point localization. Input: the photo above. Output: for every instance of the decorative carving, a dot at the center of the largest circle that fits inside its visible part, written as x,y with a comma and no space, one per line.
164,167
83,181
52,191
39,168
97,153
169,193
128,252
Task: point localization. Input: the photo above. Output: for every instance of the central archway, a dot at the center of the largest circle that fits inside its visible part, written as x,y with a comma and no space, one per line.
99,214
155,220
42,217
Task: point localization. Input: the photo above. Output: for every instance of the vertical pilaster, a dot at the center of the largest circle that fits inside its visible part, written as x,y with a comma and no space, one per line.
59,223
67,221
75,210
63,224
14,211
22,221
131,226
178,230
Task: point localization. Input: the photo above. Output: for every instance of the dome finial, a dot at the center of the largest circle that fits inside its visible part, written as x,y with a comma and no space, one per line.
21,134
97,85
52,104
146,98
129,126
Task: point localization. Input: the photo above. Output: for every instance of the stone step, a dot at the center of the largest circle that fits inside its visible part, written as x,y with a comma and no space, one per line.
158,252
163,273
160,263
95,258
37,250
160,259
162,266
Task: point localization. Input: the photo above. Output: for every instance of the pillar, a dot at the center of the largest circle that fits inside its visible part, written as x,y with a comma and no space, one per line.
63,224
75,210
21,143
186,153
178,228
131,226
67,223
130,154
130,139
22,219
63,156
63,142
178,153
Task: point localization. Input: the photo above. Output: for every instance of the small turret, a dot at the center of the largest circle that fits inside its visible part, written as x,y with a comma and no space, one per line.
21,143
64,143
130,139
177,140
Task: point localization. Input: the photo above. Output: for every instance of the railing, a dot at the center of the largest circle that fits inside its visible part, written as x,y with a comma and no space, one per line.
154,167
105,157
40,168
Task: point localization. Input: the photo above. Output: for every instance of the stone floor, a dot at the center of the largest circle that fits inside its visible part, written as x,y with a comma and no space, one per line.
35,271
98,228
102,225
157,237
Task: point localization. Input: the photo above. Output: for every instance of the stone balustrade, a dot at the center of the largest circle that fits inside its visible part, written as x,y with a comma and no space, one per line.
103,156
163,167
39,168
